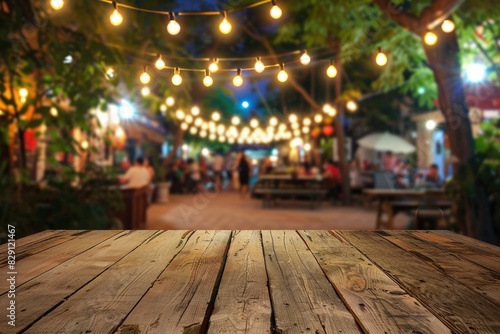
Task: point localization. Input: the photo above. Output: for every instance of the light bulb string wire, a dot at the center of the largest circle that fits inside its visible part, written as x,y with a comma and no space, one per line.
185,13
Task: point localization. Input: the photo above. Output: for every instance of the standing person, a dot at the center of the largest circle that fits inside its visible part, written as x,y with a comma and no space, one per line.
194,175
136,176
151,172
243,166
218,167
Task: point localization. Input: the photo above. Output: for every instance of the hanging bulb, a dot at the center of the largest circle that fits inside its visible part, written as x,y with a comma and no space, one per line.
116,18
273,121
176,78
306,121
54,112
318,118
110,73
214,67
352,106
160,63
207,80
225,27
170,101
430,38
145,91
448,26
184,126
305,59
327,108
173,27
145,78
216,116
259,66
195,111
180,114
84,145
57,4
331,71
292,118
235,120
275,10
282,75
254,123
381,58
238,79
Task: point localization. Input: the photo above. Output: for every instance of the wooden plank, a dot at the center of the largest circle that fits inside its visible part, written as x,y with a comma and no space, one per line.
43,293
461,249
32,238
180,298
32,266
479,279
303,299
243,304
378,303
460,308
470,242
43,244
101,305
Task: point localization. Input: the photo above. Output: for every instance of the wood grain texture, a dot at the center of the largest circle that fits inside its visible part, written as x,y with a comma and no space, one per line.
243,304
460,308
32,238
99,306
180,297
379,304
470,242
477,278
41,294
38,263
461,250
303,299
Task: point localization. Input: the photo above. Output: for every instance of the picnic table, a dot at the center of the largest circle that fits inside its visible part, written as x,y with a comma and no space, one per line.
285,186
426,204
139,281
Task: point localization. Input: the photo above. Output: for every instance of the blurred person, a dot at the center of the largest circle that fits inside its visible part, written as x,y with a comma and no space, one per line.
432,178
218,166
136,176
389,161
304,169
243,166
194,183
267,167
151,172
332,179
355,175
402,174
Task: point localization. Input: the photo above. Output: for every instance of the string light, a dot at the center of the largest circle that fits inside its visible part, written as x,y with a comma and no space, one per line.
448,26
331,71
305,129
318,118
193,130
295,126
225,27
170,101
238,79
84,145
160,63
57,4
23,93
282,75
203,133
275,10
188,119
180,114
173,27
254,123
306,121
381,58
352,106
207,80
327,108
214,67
195,111
307,147
235,120
176,78
222,139
145,78
116,18
231,140
292,118
215,116
430,38
212,136
54,112
145,91
163,108
259,66
184,126
305,59
110,73
220,129
273,121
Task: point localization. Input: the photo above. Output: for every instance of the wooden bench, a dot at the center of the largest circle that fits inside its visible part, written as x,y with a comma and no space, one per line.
269,196
426,212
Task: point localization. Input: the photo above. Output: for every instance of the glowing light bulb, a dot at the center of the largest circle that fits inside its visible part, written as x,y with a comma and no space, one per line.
259,66
448,26
212,136
180,114
84,145
163,108
195,111
307,147
203,133
282,75
292,118
238,79
332,112
116,18
54,112
306,121
327,108
231,140
188,119
170,101
214,67
23,93
56,4
275,11
145,78
207,80
318,118
305,59
184,126
225,27
216,116
160,63
331,71
173,27
352,106
381,58
222,139
176,78
193,130
254,123
235,120
110,73
430,38
273,121
145,91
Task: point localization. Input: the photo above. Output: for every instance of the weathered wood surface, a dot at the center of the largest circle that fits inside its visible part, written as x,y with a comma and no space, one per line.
255,282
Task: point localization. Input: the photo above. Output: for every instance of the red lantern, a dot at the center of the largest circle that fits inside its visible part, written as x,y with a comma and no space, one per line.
29,140
328,130
316,132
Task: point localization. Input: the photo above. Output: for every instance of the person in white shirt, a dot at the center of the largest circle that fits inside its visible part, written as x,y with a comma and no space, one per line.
137,176
218,168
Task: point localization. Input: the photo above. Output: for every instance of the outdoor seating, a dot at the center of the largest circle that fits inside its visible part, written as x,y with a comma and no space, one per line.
133,214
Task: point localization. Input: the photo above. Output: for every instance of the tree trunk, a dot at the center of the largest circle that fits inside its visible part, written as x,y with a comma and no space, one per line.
445,64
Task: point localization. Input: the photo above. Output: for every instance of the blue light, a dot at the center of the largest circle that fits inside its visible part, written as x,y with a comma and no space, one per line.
245,104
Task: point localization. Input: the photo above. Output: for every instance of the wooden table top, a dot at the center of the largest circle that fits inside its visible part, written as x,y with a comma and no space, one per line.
395,192
254,282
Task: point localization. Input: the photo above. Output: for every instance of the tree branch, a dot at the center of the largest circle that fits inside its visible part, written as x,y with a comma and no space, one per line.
430,17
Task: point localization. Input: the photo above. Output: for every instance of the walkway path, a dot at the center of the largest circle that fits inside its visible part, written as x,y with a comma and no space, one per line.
227,211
